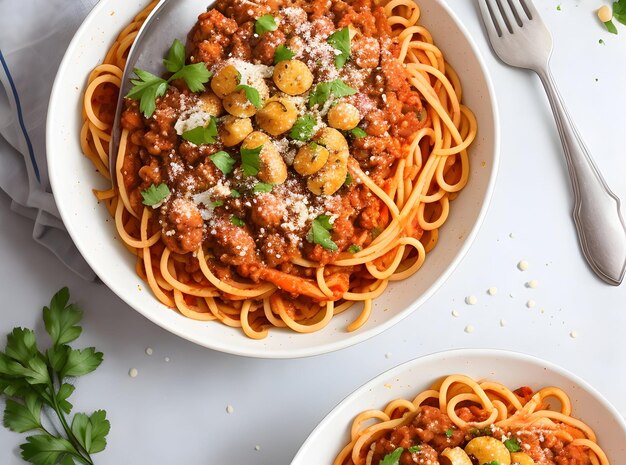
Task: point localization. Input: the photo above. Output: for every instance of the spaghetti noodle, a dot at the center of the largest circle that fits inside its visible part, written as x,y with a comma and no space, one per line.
459,419
404,164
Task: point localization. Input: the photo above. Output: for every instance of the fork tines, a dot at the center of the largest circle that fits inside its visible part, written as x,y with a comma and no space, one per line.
509,13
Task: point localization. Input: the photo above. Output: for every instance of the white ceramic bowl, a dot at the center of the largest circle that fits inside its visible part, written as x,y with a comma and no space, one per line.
73,177
509,368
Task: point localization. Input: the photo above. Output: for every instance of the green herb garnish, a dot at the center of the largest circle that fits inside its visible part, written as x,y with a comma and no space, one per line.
513,445
154,195
320,233
251,160
33,381
323,91
493,462
304,128
237,221
217,203
148,87
449,432
610,27
619,11
348,180
223,161
283,53
251,94
392,458
358,133
340,40
202,134
413,449
235,194
354,249
261,187
265,23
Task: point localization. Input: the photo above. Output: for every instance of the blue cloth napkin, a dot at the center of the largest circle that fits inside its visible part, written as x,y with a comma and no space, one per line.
34,35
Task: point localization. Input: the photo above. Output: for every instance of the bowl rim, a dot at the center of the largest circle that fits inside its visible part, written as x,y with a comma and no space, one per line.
262,351
434,357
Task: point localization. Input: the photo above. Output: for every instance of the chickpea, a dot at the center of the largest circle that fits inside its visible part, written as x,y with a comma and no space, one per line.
211,103
344,116
310,159
277,116
273,169
237,104
487,449
225,81
293,77
332,139
522,458
605,14
233,130
455,456
329,179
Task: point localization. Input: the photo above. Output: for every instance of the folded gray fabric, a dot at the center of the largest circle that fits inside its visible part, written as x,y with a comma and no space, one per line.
34,35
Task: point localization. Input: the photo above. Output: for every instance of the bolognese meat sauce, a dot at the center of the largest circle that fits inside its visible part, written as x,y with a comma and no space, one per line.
278,94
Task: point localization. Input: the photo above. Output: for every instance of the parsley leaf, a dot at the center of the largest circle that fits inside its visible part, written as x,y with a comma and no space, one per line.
449,432
24,417
392,458
610,27
265,23
148,87
619,11
223,161
354,249
358,133
260,187
323,91
414,449
202,134
493,462
217,203
304,128
283,53
154,195
235,194
34,380
175,57
320,233
90,431
237,221
251,160
512,445
340,40
251,94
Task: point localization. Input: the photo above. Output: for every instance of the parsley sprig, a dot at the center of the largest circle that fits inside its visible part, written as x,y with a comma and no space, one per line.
202,134
320,233
340,41
147,87
251,160
154,195
324,90
392,458
33,382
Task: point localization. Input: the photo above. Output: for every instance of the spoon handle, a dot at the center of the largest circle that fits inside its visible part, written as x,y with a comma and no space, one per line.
600,226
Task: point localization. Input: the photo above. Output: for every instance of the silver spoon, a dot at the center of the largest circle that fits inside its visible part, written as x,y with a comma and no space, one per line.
168,21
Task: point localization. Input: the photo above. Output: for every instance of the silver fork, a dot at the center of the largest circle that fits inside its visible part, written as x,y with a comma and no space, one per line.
521,39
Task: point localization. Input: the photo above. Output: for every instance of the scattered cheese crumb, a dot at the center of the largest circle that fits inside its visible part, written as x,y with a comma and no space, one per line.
512,236
469,329
492,291
230,409
133,372
573,334
522,265
502,322
455,313
471,300
532,284
388,355
257,447
531,303
148,350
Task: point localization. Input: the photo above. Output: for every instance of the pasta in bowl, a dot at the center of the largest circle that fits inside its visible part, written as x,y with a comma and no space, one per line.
414,414
291,162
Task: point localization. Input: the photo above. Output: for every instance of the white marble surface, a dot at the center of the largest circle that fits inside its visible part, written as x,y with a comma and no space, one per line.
176,411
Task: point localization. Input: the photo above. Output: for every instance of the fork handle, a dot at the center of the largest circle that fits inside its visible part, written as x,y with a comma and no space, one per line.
600,226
